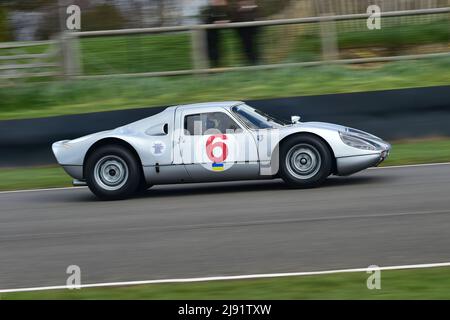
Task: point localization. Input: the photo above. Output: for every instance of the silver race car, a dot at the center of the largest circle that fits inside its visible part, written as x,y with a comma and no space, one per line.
218,141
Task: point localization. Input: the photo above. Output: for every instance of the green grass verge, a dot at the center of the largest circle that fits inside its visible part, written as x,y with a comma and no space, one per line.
429,283
33,178
33,100
432,151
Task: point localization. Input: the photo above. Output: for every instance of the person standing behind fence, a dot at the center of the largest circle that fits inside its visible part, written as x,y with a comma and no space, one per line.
247,10
216,12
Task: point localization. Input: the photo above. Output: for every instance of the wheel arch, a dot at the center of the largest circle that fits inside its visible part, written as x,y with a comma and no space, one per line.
314,135
112,141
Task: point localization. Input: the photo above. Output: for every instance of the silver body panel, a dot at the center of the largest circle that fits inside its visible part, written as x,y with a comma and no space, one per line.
170,166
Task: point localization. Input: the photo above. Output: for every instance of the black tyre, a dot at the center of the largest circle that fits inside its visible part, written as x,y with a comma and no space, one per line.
112,172
305,161
143,187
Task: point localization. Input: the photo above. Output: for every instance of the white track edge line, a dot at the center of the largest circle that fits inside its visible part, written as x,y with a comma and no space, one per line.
237,277
411,165
374,168
41,190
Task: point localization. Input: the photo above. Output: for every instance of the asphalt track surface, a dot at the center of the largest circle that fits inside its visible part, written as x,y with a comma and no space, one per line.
384,217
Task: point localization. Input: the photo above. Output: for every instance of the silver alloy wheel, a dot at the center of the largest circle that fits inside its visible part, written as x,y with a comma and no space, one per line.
111,173
303,161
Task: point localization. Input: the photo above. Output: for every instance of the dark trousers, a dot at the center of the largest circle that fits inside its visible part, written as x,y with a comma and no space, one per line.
248,36
213,41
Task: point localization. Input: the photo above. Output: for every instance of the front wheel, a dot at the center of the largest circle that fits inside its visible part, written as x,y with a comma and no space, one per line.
305,162
112,172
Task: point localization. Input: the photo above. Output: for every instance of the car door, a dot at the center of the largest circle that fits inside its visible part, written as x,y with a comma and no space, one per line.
215,147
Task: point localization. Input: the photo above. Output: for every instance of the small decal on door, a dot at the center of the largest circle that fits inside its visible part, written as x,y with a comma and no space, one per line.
158,148
217,166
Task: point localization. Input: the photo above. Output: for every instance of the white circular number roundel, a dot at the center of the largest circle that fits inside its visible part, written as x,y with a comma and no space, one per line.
217,152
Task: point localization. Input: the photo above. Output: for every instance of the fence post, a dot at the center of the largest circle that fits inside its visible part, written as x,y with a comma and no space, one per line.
199,49
329,40
71,59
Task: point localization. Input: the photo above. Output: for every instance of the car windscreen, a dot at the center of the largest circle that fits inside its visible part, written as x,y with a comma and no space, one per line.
256,119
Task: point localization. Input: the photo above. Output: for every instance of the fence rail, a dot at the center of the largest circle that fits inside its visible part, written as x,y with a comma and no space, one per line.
26,56
266,66
24,75
266,23
16,70
17,44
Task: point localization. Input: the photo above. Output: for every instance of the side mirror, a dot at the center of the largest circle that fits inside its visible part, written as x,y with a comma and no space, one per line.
295,119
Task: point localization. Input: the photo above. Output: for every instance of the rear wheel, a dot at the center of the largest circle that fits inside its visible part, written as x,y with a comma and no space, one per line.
112,172
305,161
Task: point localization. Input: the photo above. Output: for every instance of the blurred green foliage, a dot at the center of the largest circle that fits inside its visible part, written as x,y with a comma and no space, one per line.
28,4
103,16
5,32
94,19
97,16
270,7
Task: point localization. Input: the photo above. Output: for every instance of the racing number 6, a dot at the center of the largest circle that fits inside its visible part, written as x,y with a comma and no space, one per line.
211,145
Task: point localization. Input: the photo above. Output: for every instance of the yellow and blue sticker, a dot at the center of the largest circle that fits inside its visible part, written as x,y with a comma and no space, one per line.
217,166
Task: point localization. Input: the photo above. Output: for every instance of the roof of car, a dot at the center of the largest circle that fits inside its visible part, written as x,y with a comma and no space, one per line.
222,104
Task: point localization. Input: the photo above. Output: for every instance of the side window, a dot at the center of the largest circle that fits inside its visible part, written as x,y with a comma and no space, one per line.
190,123
210,123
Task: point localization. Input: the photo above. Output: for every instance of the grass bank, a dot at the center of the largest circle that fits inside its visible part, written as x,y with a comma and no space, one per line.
33,100
431,151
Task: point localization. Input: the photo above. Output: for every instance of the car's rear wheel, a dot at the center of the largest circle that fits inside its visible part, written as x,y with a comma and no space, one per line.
112,172
305,162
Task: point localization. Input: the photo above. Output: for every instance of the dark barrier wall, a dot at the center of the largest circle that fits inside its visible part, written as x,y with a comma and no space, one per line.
393,114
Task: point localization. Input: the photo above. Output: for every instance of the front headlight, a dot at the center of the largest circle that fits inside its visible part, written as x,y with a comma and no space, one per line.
358,142
362,134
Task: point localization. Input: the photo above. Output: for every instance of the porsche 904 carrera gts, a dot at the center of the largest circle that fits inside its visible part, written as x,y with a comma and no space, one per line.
218,141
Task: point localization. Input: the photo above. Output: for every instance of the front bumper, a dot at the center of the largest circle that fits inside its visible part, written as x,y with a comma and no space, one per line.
349,165
75,172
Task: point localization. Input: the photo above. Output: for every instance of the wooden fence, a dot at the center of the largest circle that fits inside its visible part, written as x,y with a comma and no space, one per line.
63,57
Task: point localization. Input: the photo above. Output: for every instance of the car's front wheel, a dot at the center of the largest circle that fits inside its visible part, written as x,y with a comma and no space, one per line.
112,172
305,161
